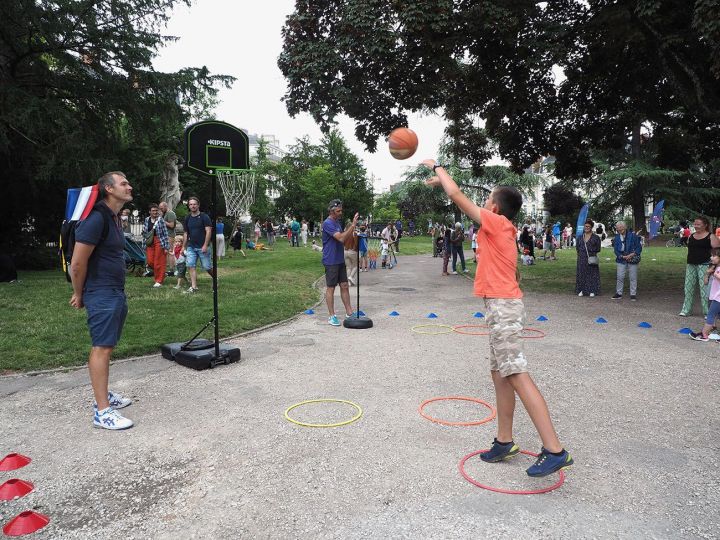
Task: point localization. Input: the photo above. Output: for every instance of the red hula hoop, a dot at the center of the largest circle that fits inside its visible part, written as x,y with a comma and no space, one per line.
455,329
488,418
461,468
539,333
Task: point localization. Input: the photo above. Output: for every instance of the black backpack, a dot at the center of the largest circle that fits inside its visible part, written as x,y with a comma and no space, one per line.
67,239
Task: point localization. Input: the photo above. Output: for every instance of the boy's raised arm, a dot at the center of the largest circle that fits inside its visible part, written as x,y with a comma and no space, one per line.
443,179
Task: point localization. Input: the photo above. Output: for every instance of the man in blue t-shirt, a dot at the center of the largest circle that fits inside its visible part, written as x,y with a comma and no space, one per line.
196,241
97,270
333,238
399,229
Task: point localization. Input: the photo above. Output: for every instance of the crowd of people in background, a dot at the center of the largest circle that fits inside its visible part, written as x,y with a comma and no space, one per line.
171,254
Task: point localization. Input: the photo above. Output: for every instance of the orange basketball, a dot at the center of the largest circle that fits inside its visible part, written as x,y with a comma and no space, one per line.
402,142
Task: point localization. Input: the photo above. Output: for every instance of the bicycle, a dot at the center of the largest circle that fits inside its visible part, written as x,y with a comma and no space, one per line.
675,242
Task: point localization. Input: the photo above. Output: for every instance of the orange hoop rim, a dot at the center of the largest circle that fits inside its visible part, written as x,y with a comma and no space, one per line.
455,329
539,334
488,418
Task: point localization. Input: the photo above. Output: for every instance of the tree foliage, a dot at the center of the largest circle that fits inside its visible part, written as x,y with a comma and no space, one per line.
310,176
79,97
561,202
628,65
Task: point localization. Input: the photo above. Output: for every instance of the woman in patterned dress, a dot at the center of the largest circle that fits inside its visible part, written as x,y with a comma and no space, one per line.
587,277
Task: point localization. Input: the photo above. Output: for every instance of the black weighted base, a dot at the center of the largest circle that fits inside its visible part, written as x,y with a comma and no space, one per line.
358,323
200,354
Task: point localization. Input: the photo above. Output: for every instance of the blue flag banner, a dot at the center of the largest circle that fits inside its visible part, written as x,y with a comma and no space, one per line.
581,219
656,219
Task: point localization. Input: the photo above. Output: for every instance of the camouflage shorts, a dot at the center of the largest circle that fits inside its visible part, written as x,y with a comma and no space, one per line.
505,318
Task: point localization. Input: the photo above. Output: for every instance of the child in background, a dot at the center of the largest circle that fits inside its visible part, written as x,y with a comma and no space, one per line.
473,245
447,249
496,282
712,277
363,247
549,245
384,251
373,255
315,246
180,266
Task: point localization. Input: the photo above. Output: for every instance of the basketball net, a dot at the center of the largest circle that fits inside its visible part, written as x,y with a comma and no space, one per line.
238,187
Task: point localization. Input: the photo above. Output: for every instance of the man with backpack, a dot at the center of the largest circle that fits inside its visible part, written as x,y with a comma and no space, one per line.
97,270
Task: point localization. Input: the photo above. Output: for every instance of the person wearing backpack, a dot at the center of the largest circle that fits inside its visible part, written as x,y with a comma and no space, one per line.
97,270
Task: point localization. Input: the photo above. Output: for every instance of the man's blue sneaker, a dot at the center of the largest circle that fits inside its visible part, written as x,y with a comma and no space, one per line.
500,452
548,463
334,321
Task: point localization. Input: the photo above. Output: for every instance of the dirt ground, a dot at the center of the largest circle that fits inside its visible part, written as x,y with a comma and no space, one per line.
212,455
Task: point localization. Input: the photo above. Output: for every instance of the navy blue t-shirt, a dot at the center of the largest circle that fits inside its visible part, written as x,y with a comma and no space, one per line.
195,228
106,266
333,251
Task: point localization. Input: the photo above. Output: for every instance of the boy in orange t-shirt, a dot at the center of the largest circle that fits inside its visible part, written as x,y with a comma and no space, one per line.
496,282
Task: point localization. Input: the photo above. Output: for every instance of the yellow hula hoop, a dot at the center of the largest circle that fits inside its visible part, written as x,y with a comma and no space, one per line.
448,329
338,424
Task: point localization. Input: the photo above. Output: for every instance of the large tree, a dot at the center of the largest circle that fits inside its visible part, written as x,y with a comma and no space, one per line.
311,175
632,68
79,97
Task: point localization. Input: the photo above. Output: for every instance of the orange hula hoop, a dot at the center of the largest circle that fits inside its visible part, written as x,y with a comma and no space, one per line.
488,418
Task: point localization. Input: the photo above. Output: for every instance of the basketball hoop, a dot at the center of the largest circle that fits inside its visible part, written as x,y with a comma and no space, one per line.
238,187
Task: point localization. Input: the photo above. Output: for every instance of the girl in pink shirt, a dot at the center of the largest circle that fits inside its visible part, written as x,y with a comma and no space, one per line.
713,277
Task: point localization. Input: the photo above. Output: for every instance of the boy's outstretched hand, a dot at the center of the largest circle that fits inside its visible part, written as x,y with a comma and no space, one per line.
433,182
429,163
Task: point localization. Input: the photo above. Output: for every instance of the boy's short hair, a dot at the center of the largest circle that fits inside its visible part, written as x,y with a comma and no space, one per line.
508,200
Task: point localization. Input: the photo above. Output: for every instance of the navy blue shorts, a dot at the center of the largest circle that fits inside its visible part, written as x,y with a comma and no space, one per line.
106,312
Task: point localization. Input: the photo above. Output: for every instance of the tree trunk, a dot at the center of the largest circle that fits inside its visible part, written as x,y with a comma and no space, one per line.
170,182
637,195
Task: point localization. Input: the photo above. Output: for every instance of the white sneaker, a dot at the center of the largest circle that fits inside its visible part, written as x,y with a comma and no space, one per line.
116,401
592,294
177,287
466,270
157,285
580,293
454,273
111,419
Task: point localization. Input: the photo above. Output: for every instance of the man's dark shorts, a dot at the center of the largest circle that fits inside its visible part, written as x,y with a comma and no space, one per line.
106,312
334,274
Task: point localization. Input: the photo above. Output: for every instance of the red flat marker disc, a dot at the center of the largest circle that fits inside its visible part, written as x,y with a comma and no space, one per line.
15,488
466,476
13,461
25,523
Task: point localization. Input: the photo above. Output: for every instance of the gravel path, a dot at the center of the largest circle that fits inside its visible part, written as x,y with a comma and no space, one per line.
212,456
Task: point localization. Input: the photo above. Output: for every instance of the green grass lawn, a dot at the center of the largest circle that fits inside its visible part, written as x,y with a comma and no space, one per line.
666,273
39,329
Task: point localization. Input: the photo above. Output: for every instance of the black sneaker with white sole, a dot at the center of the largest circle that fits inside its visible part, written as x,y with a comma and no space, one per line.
697,336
